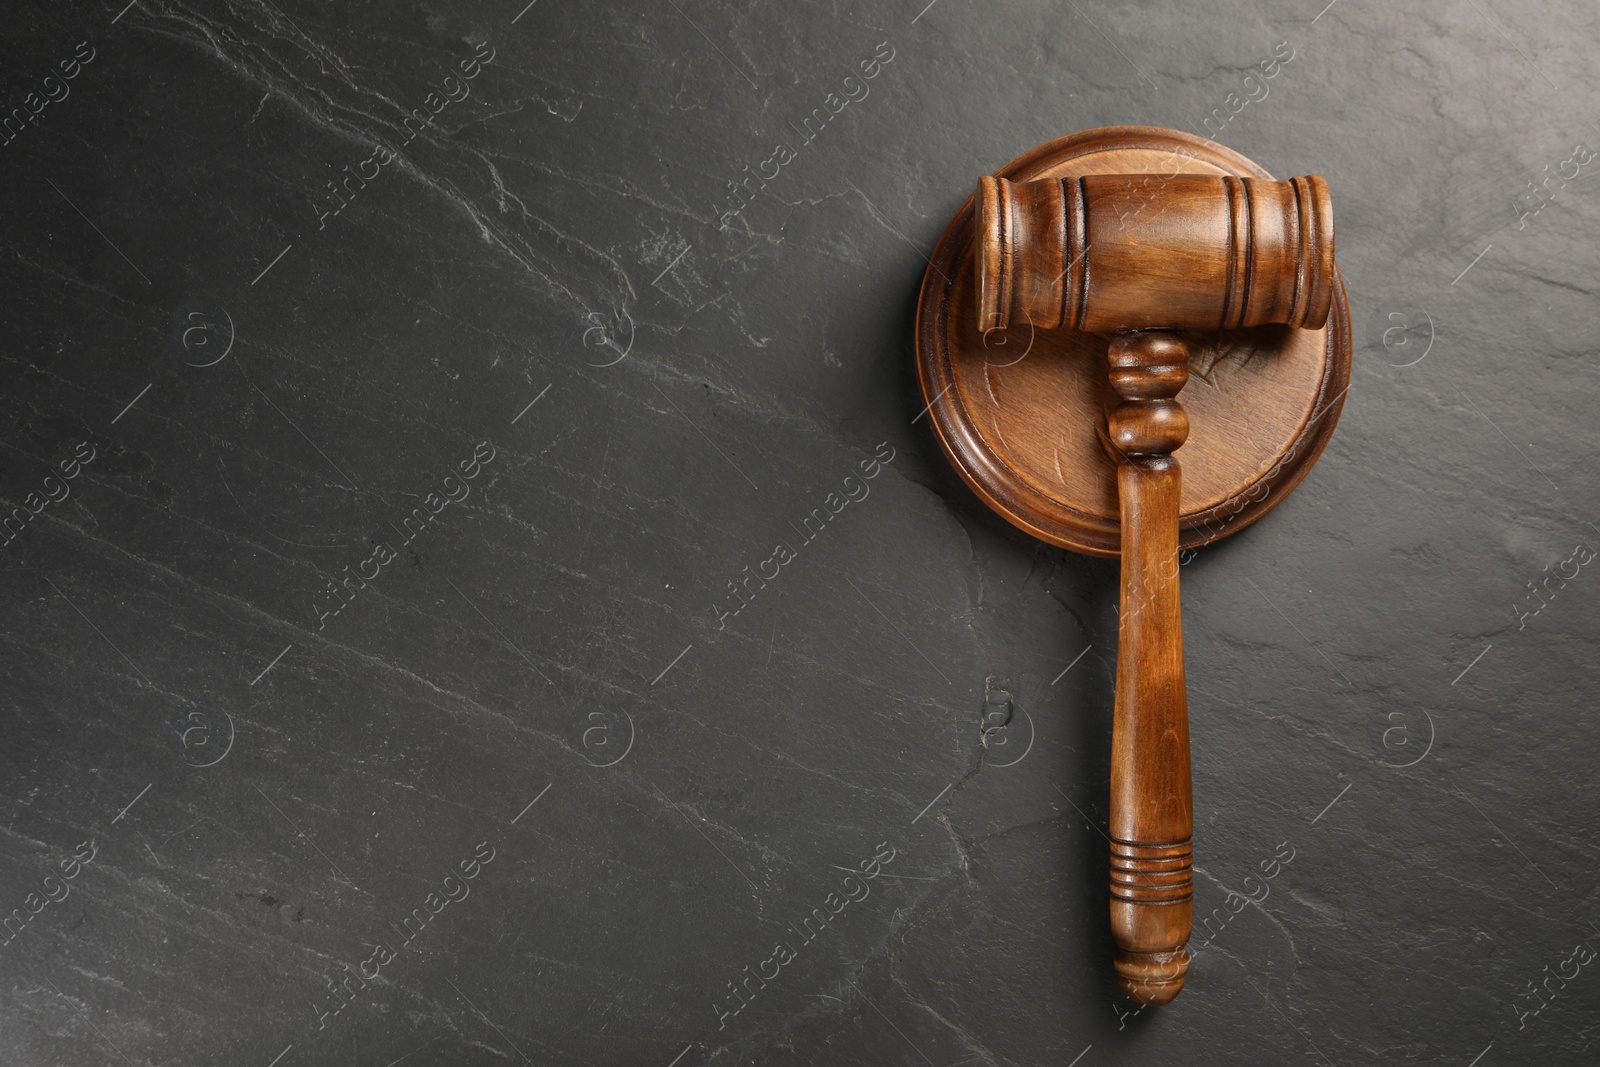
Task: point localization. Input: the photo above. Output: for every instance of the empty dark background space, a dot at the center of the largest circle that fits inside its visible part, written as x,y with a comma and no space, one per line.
274,365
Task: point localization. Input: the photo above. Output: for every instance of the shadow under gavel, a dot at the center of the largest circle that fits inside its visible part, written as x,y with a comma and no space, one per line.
1134,257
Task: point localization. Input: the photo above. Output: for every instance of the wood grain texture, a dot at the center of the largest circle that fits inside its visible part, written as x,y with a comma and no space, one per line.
1207,251
1021,413
1077,239
1151,823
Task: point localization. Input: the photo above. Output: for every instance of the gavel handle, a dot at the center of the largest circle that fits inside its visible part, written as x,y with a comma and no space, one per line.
1152,821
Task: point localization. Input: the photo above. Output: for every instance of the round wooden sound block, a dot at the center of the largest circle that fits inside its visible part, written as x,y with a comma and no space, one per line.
1021,412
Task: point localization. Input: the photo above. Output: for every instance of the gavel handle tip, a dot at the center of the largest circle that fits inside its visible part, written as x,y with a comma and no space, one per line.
1152,977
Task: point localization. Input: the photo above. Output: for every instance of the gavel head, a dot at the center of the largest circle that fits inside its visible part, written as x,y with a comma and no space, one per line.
1111,252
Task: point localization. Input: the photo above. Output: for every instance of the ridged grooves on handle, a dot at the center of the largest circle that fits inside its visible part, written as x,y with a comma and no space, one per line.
1151,823
1152,874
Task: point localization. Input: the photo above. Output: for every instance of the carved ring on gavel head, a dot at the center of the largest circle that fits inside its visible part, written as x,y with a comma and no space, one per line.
1101,253
1123,251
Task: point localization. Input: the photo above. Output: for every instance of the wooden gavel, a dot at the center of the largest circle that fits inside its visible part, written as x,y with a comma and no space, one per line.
1136,256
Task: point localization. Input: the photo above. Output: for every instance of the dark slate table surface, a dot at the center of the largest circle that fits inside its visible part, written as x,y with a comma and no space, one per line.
394,393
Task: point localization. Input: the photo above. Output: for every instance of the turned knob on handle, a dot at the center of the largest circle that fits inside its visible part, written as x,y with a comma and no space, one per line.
1151,823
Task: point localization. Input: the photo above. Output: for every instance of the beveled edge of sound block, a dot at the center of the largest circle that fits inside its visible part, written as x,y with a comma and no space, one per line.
1008,493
